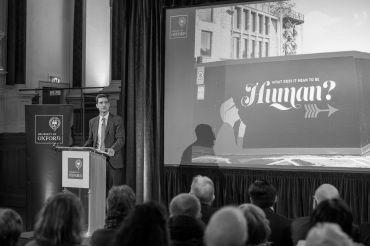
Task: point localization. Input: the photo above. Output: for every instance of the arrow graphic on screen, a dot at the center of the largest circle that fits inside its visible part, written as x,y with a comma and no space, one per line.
312,111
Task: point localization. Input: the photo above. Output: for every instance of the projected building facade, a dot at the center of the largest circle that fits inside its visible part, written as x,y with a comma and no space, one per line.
244,31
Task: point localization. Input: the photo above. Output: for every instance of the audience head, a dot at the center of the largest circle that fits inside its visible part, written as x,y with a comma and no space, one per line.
120,201
227,227
262,194
258,226
335,211
203,188
324,192
185,204
60,220
10,227
327,234
146,224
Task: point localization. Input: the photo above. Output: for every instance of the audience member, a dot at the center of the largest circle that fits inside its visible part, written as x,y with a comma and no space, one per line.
227,227
146,224
59,222
120,201
301,226
186,229
10,227
327,234
185,204
335,211
264,195
203,188
258,226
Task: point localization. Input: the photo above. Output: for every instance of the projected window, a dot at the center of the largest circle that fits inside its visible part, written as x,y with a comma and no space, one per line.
266,49
253,54
254,21
237,17
267,25
206,14
245,51
236,47
246,20
206,42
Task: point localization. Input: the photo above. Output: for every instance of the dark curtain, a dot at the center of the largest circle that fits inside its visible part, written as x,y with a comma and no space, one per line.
295,188
142,89
16,43
77,43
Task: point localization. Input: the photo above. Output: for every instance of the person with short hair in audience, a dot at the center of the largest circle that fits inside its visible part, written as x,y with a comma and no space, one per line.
146,224
203,188
227,227
335,211
258,226
300,226
264,195
59,222
120,201
186,228
11,226
327,234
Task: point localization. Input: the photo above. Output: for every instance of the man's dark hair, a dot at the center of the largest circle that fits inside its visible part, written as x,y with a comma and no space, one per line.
101,96
335,211
262,194
11,227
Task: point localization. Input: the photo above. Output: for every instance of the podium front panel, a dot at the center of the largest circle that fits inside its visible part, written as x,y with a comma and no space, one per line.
75,169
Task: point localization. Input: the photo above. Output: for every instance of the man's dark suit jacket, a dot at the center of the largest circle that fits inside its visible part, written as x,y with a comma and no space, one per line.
280,228
114,137
299,229
207,211
365,234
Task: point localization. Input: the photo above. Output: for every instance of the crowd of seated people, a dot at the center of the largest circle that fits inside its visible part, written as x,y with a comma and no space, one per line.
60,221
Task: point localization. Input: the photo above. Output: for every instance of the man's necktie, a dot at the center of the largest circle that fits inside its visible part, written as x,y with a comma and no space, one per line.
102,134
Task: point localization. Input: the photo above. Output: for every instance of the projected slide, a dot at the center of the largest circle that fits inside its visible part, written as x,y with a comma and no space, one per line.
237,93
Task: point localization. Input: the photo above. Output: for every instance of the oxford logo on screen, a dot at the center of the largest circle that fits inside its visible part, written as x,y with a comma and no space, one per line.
75,168
178,26
48,129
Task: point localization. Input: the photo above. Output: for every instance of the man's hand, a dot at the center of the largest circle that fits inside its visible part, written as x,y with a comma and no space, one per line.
111,152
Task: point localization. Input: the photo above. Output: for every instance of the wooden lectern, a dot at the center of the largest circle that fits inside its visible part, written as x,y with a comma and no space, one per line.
85,167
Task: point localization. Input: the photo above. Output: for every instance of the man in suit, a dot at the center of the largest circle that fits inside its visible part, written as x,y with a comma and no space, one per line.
300,226
203,188
106,134
264,195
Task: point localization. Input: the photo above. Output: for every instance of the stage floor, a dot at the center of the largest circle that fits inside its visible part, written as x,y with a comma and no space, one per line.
346,163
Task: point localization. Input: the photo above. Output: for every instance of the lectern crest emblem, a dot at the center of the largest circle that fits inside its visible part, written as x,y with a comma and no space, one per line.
54,123
78,164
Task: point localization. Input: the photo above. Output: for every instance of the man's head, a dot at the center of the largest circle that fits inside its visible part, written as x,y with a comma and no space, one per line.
205,135
11,227
227,227
102,103
327,234
262,194
324,192
203,188
185,204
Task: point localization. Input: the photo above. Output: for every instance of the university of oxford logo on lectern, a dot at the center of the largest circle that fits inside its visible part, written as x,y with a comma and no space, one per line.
54,123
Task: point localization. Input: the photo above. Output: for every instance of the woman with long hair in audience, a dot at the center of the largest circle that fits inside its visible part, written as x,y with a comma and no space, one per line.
59,222
335,211
120,201
146,224
257,224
